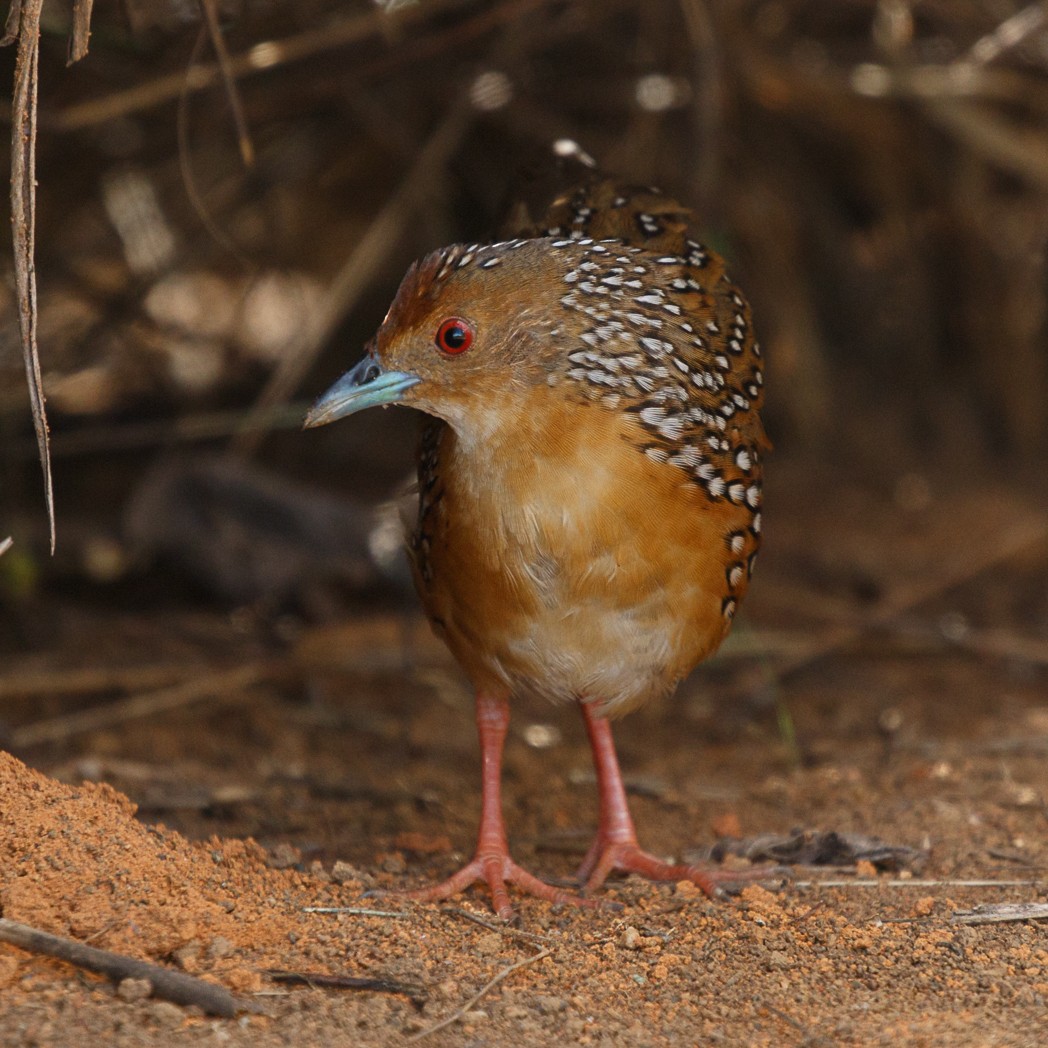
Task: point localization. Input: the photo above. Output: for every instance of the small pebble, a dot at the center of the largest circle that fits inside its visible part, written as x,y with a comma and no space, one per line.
629,938
490,943
283,856
343,873
549,1005
166,1013
134,989
220,947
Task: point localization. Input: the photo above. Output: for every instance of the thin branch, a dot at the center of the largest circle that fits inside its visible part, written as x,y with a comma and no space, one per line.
14,17
1021,151
373,248
1006,545
352,280
23,221
210,686
81,33
486,988
169,985
321,980
201,425
359,911
502,929
262,58
225,66
1010,34
189,182
915,882
1001,913
26,683
810,1038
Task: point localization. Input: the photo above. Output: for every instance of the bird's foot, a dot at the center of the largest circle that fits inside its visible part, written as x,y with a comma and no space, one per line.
626,857
498,871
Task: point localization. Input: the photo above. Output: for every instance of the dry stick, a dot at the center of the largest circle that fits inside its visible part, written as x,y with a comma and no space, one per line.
1002,912
185,166
14,15
502,929
202,425
1024,154
487,987
874,882
261,58
23,222
81,34
810,1037
352,280
1009,34
247,149
359,911
1004,645
221,684
322,980
23,684
373,248
1010,544
169,985
707,109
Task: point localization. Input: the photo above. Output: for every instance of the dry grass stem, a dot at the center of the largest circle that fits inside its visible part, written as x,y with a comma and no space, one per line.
485,989
225,685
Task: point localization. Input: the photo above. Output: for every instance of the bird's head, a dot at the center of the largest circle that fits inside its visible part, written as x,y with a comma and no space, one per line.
467,336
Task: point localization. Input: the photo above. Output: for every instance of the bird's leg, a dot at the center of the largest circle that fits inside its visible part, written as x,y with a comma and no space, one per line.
615,846
491,862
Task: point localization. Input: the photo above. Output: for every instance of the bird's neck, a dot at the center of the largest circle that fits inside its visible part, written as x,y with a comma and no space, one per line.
514,432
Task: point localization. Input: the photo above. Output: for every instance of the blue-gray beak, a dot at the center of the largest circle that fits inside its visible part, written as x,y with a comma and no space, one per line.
366,385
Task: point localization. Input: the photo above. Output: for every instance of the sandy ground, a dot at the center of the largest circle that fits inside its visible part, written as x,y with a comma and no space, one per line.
886,680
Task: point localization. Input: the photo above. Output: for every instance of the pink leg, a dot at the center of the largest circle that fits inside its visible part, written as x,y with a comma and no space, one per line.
615,846
491,862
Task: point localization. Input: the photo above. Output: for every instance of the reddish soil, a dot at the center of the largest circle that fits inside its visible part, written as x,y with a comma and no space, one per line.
924,722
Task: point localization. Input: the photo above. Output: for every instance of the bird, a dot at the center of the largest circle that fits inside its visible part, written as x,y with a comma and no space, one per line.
589,477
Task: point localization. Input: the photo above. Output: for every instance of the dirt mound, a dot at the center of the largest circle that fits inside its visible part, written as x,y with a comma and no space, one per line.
76,862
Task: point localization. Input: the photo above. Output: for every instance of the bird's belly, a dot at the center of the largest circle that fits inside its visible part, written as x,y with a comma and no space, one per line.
587,592
616,647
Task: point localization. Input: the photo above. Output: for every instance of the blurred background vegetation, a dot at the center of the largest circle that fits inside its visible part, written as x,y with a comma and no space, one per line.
224,215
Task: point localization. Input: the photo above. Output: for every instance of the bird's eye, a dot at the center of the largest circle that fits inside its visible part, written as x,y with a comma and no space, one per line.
455,335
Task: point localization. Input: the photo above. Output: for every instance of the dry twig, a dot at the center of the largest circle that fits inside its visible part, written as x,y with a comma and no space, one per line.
320,980
502,929
1001,912
486,988
352,280
189,181
373,248
26,15
1003,547
225,67
27,683
914,882
262,58
81,32
221,684
169,985
358,911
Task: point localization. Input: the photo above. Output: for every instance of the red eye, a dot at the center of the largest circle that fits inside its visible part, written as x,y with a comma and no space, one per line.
455,335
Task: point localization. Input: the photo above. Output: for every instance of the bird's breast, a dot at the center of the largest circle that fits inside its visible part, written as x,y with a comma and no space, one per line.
558,558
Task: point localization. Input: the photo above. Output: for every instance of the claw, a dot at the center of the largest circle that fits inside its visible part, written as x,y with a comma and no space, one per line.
498,871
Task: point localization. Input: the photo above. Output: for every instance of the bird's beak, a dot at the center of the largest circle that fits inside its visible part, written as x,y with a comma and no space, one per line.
366,385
